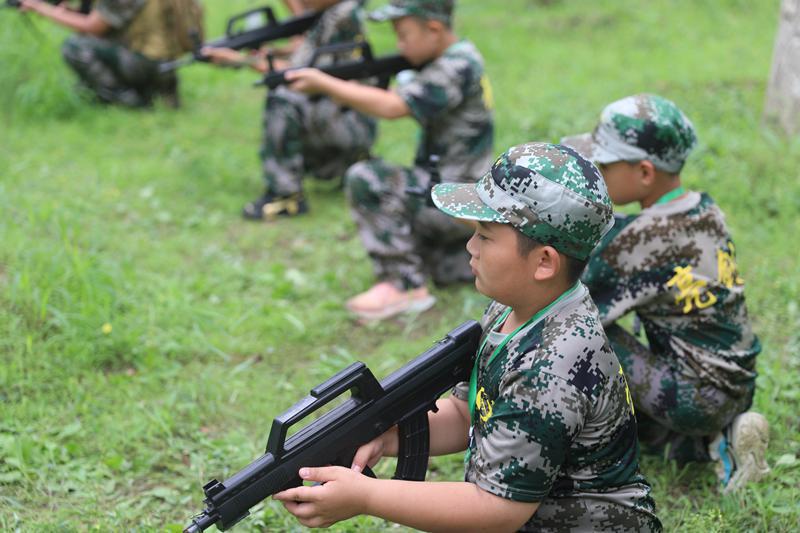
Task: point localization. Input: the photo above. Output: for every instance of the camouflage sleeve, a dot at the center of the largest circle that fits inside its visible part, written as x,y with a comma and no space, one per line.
461,391
527,435
119,13
340,23
606,284
343,24
439,87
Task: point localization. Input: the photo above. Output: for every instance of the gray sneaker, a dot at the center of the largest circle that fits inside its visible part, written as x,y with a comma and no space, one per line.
741,451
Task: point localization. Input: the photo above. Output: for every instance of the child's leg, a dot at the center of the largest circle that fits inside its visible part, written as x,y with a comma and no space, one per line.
114,73
283,141
336,137
673,410
384,212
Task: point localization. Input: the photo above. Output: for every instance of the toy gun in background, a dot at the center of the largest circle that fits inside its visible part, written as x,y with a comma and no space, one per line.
403,399
248,31
85,5
365,66
436,178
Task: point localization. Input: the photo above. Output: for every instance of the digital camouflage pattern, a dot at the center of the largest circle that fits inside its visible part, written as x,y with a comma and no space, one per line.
451,99
643,126
115,74
676,416
342,22
441,10
313,134
113,67
407,239
674,265
553,423
546,191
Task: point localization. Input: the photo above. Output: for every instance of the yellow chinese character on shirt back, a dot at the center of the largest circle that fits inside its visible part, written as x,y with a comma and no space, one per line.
727,272
692,291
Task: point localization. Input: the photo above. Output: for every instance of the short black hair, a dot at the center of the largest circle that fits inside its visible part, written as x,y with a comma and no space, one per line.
575,267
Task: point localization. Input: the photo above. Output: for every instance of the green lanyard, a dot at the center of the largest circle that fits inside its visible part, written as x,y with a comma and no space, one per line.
473,379
671,195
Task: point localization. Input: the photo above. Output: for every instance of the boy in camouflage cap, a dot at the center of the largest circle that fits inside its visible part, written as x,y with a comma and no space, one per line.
304,135
674,265
546,419
407,239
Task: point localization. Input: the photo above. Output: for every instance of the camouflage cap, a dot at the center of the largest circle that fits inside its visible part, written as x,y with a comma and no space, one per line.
643,126
441,10
549,192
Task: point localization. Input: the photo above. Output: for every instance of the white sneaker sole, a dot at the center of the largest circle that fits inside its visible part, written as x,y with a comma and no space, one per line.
414,306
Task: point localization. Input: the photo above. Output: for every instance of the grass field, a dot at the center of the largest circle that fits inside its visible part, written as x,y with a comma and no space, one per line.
148,335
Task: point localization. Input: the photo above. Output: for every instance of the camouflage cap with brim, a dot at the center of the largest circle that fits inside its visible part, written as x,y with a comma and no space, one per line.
548,192
441,10
643,126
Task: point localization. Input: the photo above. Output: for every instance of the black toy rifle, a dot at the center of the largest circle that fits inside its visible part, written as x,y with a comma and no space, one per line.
403,399
85,6
250,39
365,66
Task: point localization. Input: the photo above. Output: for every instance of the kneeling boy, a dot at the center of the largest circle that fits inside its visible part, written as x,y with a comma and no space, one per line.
408,240
674,265
546,419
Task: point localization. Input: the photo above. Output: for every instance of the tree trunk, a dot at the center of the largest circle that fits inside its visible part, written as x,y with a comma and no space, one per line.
783,93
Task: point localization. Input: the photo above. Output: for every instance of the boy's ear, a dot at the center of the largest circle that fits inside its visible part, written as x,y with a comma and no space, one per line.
647,172
546,263
436,26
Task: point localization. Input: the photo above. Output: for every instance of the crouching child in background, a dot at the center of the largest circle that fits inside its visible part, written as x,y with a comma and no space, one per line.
301,134
674,265
546,419
118,45
408,240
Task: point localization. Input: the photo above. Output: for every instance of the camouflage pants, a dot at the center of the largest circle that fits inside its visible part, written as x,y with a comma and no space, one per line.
676,414
114,73
407,239
305,135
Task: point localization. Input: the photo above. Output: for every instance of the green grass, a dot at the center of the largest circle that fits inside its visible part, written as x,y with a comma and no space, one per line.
217,325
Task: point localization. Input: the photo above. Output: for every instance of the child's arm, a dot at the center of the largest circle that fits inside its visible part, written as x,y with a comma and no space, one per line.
430,506
373,101
230,57
92,23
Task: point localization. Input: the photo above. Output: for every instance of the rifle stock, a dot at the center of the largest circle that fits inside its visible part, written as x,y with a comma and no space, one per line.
403,399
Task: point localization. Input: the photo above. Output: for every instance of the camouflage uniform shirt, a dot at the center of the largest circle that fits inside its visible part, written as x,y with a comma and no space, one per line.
451,99
553,423
340,23
674,265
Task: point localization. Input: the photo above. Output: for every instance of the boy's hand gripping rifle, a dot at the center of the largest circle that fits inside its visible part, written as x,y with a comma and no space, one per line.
250,38
403,399
364,66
